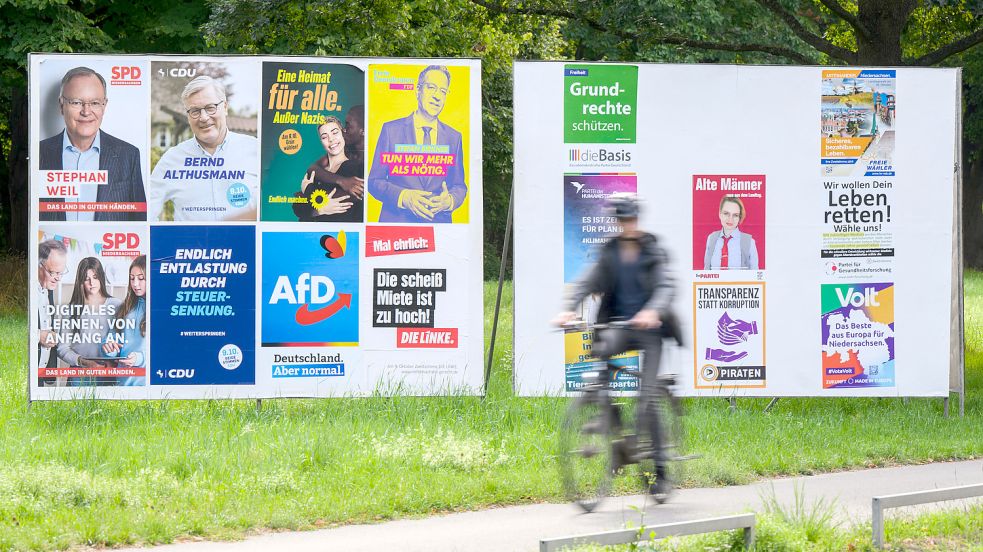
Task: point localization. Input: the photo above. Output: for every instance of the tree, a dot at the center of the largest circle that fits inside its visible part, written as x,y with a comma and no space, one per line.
71,26
424,28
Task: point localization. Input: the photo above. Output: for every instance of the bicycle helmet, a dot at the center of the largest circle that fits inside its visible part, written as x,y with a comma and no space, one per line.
624,205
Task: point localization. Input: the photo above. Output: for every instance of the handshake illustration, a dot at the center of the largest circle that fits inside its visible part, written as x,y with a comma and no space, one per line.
731,332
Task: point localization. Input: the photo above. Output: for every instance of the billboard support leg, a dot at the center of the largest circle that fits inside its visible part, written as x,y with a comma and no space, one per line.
733,404
774,401
498,297
259,405
945,407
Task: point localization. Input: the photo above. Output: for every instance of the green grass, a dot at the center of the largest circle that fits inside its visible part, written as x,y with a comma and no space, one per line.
116,472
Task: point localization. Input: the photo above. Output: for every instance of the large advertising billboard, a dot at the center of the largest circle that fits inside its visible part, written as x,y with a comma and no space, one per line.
245,226
788,281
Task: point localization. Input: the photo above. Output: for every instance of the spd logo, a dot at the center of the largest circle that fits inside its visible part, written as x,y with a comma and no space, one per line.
310,282
125,75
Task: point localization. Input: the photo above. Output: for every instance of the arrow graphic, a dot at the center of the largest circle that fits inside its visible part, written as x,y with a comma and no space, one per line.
306,317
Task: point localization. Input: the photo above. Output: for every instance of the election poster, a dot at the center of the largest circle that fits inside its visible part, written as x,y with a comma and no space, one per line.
581,365
729,222
313,144
858,229
858,118
729,335
420,141
756,248
587,224
203,316
858,335
91,152
599,104
205,159
91,306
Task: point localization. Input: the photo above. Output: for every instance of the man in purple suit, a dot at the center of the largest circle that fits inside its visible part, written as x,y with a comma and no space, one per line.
417,198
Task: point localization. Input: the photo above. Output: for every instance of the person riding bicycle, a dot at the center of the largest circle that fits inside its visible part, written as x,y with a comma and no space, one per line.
630,274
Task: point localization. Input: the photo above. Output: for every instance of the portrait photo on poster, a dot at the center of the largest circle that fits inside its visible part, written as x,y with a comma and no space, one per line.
92,150
419,127
205,150
728,222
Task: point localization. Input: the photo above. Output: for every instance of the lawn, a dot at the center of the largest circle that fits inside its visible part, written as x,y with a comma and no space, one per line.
111,473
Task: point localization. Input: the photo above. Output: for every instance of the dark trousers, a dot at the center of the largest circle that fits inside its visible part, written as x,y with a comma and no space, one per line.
610,342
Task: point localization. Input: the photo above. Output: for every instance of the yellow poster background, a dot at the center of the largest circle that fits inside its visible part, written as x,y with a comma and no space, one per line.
386,103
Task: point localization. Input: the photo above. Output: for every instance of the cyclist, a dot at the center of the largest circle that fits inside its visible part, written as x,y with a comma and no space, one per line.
630,274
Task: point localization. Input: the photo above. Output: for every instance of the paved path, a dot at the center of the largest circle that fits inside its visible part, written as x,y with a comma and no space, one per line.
520,528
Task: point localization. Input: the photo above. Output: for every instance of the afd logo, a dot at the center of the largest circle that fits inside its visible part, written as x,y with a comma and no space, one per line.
852,297
318,291
601,155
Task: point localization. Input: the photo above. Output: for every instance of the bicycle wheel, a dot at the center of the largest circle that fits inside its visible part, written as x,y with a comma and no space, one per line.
663,413
585,449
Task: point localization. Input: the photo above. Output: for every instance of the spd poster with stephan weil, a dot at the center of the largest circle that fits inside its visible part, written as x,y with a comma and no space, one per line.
212,227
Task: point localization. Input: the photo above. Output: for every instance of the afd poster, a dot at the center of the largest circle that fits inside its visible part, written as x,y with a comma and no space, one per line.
313,159
419,135
760,246
205,227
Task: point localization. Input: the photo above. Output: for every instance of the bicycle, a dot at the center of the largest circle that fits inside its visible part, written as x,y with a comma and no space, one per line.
596,443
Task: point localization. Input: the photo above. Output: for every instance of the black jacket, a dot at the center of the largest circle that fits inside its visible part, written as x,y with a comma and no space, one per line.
658,286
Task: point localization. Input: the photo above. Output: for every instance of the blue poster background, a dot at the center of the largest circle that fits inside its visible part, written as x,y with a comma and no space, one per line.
193,322
313,318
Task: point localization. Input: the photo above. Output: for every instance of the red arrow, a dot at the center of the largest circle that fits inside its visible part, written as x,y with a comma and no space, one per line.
306,317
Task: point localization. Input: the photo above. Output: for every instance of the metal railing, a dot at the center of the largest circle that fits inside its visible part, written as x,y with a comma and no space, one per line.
881,503
625,536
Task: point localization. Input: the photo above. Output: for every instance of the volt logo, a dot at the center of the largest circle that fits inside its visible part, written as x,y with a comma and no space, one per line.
857,299
316,290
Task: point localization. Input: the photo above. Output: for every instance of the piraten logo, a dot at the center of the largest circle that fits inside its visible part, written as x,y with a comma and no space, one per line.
314,290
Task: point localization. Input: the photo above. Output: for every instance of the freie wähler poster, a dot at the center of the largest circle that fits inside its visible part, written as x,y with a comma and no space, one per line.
586,221
857,122
858,335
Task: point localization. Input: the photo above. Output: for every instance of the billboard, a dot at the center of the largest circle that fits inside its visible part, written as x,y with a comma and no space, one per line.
246,226
788,281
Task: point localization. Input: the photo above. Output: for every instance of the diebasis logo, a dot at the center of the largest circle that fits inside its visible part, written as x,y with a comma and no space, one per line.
310,287
600,156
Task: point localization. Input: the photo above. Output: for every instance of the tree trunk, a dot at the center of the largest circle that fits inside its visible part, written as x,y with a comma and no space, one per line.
20,196
972,205
884,21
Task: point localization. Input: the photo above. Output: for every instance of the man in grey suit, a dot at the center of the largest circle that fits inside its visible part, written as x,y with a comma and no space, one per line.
421,198
83,146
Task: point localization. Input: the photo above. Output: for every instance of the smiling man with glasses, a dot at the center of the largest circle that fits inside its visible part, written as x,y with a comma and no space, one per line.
214,175
84,146
422,198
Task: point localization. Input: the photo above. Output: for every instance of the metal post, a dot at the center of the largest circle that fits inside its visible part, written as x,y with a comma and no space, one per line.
749,537
877,522
773,402
498,298
733,405
259,405
945,407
